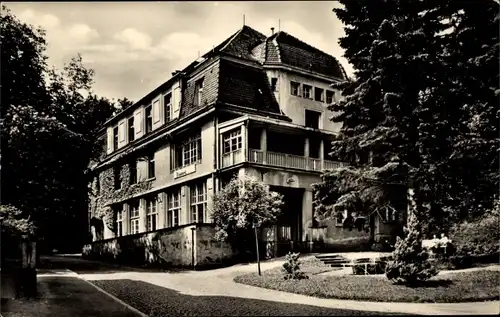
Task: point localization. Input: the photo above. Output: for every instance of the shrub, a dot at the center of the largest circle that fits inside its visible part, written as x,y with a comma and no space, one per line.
411,264
477,239
291,268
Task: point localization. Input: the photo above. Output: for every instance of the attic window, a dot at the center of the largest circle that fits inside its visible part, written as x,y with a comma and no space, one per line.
115,138
307,92
294,88
330,97
319,94
198,91
274,83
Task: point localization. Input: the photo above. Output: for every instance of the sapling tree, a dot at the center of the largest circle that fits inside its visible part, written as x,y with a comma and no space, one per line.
242,204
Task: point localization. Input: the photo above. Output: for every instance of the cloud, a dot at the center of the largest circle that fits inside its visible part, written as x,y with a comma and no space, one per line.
135,39
63,40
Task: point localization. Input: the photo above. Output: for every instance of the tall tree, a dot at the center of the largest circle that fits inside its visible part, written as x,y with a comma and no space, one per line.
406,102
49,124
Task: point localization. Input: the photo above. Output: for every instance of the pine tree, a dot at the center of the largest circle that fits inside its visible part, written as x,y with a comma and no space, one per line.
411,264
410,99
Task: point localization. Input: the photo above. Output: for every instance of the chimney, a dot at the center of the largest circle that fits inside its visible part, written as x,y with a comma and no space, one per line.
272,31
175,72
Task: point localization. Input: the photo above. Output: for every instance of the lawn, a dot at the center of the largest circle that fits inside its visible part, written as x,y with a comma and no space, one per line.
450,288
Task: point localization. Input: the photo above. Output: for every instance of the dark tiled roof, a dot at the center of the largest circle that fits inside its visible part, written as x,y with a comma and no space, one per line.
283,48
240,44
246,86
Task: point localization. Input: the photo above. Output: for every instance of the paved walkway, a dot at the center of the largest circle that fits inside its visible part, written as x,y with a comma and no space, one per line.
64,294
220,283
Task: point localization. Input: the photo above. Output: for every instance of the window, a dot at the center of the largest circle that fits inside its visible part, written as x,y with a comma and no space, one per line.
199,202
151,166
274,84
134,217
133,172
307,92
149,120
131,131
188,152
294,88
174,208
330,96
198,92
167,102
104,145
115,138
232,141
339,219
319,94
119,221
116,177
151,214
312,119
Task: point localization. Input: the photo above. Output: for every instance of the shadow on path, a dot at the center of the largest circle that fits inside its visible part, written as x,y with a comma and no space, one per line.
65,296
157,301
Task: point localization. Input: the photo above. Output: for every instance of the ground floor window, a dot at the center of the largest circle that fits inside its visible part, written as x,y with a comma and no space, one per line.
151,213
119,221
174,208
199,202
134,217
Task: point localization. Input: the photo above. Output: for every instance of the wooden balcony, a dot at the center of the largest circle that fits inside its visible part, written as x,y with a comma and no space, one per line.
290,161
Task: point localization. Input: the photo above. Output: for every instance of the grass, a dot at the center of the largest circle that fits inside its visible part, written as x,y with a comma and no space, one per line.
451,288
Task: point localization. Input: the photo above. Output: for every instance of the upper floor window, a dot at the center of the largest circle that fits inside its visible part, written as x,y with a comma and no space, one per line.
119,220
117,177
151,214
151,165
330,96
307,91
174,208
134,217
131,131
312,119
103,145
274,83
294,88
115,138
167,102
232,141
188,152
319,94
133,172
198,91
149,119
198,201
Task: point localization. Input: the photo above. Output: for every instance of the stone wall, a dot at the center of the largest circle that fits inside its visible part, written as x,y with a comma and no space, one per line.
164,248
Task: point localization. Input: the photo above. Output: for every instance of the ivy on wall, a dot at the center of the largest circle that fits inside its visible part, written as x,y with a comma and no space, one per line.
101,202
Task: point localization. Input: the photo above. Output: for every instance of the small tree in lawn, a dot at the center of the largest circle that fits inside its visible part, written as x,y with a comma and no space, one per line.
240,205
411,264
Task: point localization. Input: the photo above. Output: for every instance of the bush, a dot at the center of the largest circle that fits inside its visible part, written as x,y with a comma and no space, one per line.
477,239
371,268
411,264
291,268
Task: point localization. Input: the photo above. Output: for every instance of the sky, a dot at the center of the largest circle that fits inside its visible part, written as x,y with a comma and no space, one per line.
133,47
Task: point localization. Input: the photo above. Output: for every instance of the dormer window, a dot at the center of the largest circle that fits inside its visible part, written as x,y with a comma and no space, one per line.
149,119
198,91
115,138
167,101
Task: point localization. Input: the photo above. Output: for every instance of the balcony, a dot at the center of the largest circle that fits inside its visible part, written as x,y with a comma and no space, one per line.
279,160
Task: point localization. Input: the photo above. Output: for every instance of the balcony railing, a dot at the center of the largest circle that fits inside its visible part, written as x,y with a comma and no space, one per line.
289,161
232,158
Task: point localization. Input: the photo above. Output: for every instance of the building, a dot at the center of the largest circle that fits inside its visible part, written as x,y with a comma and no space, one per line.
253,105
